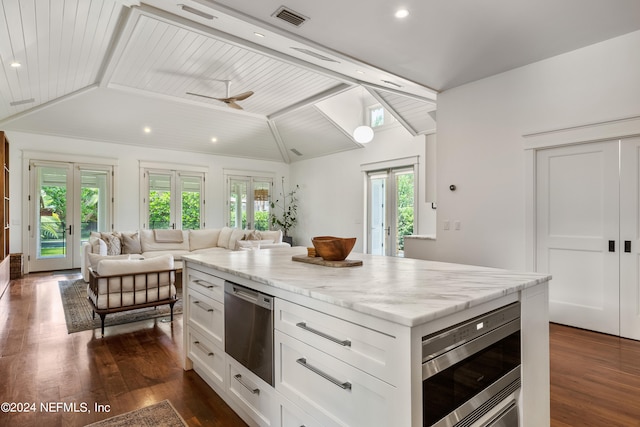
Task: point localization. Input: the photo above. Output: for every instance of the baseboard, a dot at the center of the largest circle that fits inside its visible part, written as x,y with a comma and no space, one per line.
5,275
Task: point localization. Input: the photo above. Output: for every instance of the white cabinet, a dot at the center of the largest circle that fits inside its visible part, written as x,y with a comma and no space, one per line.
206,315
257,398
208,358
369,350
331,390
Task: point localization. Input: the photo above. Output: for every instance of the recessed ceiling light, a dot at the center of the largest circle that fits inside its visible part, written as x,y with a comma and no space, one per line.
214,139
147,129
259,35
16,64
401,13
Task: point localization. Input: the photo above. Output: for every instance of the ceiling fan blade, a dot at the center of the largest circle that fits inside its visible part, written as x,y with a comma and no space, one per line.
204,96
242,96
232,104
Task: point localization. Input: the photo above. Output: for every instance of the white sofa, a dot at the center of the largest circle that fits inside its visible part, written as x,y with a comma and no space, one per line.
144,244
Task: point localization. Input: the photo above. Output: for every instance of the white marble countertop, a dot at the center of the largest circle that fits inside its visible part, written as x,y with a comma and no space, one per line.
402,290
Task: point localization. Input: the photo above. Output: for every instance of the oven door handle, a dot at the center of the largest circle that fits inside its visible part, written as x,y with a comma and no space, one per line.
450,358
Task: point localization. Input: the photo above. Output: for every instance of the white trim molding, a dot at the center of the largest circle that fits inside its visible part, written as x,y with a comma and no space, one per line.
581,134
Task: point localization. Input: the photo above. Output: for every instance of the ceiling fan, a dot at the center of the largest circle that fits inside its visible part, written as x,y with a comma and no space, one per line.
229,100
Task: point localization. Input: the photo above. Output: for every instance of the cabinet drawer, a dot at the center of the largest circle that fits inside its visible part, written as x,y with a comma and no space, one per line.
207,315
207,284
333,392
207,356
293,416
257,398
369,350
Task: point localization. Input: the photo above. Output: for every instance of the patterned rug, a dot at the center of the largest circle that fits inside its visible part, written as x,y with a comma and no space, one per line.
161,414
78,312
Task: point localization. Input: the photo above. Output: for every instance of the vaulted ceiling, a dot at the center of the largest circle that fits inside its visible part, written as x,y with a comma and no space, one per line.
105,70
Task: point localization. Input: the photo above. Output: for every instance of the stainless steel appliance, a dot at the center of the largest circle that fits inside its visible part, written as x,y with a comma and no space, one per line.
472,367
248,329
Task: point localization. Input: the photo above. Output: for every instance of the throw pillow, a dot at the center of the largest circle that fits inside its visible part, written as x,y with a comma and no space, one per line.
236,235
131,243
253,235
98,246
114,246
225,235
201,239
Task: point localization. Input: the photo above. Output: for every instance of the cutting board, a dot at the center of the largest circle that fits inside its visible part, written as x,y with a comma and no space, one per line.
319,261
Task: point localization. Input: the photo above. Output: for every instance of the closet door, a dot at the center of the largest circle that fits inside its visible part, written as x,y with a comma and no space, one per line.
578,233
630,238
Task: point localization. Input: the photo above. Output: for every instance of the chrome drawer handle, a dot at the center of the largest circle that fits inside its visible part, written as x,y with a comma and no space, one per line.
303,325
203,306
238,377
203,348
204,284
343,385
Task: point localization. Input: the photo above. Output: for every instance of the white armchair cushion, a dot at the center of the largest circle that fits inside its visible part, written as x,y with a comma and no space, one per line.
110,267
225,235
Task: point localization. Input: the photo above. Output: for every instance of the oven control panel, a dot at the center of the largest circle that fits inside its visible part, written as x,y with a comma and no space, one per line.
440,342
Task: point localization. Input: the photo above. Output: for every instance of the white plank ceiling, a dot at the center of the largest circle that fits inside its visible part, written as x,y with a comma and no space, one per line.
105,69
101,70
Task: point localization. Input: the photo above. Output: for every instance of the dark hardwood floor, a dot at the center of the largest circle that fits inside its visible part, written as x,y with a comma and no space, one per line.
595,378
133,366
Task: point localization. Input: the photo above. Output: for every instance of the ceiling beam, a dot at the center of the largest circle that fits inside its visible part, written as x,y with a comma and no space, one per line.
393,112
311,100
279,142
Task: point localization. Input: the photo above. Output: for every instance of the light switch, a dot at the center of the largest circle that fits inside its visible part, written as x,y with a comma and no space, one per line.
456,225
445,224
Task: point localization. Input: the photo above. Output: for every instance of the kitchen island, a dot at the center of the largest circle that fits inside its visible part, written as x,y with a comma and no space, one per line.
381,309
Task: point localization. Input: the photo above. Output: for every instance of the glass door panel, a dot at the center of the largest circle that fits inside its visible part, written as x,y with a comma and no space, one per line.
238,190
94,202
191,196
261,205
53,218
404,209
377,215
160,212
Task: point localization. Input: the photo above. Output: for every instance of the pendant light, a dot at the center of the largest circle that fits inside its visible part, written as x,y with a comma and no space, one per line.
363,134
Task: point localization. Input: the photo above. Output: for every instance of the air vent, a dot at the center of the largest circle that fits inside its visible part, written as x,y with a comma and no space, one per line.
289,16
24,101
391,83
314,54
296,152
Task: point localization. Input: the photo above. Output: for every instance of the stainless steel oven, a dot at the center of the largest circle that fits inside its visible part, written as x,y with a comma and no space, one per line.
248,329
471,368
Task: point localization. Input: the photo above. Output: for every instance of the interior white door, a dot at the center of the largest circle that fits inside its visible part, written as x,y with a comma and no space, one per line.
578,233
630,238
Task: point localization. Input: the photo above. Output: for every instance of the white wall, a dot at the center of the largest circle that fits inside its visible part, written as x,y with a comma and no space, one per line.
127,179
332,200
480,143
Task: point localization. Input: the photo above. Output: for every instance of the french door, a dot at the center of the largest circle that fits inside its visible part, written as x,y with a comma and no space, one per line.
249,202
390,210
67,202
588,234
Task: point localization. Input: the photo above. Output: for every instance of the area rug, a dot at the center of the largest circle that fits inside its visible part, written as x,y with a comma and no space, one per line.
161,414
78,312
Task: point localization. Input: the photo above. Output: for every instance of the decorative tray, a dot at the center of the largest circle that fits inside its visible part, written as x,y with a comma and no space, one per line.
319,261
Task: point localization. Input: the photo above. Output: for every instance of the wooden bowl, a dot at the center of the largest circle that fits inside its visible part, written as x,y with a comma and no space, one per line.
333,248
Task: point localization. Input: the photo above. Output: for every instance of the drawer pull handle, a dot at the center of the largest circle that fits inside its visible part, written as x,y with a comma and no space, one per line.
238,377
203,306
343,385
303,325
203,348
204,284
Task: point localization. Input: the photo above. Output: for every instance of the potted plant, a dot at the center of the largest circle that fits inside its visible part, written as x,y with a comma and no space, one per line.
287,216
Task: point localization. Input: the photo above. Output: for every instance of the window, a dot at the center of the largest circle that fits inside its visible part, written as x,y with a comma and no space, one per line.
376,116
248,202
173,199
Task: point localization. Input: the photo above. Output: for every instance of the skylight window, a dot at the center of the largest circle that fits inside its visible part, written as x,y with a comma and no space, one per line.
376,116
